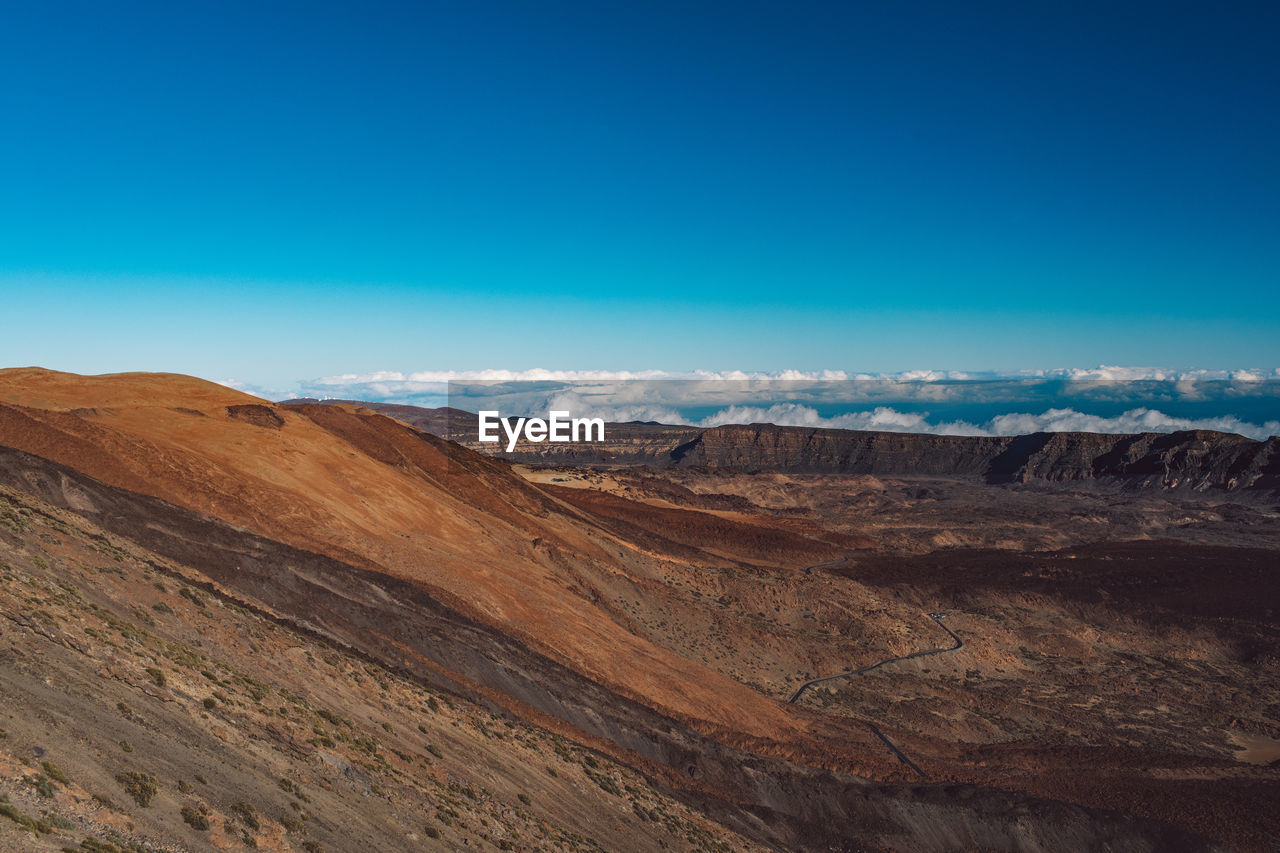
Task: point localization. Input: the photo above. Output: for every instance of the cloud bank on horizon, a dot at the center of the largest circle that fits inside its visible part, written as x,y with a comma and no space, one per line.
887,419
1104,399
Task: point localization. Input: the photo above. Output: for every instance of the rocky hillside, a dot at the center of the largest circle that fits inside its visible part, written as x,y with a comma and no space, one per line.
147,708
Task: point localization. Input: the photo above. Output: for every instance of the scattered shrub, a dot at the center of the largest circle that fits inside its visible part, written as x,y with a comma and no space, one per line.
200,778
524,798
210,703
195,818
157,675
95,846
432,832
42,784
257,689
140,786
161,607
7,810
184,786
247,814
54,772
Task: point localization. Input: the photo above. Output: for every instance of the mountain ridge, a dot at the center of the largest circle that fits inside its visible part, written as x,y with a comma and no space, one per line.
1194,459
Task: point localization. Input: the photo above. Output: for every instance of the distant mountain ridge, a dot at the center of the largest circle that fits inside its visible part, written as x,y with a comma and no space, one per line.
1194,459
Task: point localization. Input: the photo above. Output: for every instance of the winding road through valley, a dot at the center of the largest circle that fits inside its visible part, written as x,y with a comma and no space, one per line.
937,619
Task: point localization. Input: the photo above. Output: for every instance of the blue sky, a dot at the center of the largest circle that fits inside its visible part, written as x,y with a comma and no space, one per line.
272,192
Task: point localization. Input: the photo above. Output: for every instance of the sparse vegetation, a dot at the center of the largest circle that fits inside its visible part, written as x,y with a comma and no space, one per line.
193,595
54,772
247,814
140,786
43,784
94,846
8,810
196,818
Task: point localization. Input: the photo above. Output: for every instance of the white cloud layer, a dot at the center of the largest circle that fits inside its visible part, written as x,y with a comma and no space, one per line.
416,381
792,397
887,419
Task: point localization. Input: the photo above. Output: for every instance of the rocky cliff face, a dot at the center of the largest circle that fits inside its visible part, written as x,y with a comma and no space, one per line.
1194,459
1197,459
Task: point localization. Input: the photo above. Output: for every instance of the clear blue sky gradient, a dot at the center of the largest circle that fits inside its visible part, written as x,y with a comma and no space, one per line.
269,191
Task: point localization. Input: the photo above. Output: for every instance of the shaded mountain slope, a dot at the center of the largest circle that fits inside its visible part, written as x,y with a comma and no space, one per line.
119,665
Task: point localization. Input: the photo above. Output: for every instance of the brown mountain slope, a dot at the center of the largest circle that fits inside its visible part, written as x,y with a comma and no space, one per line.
368,491
115,660
633,624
